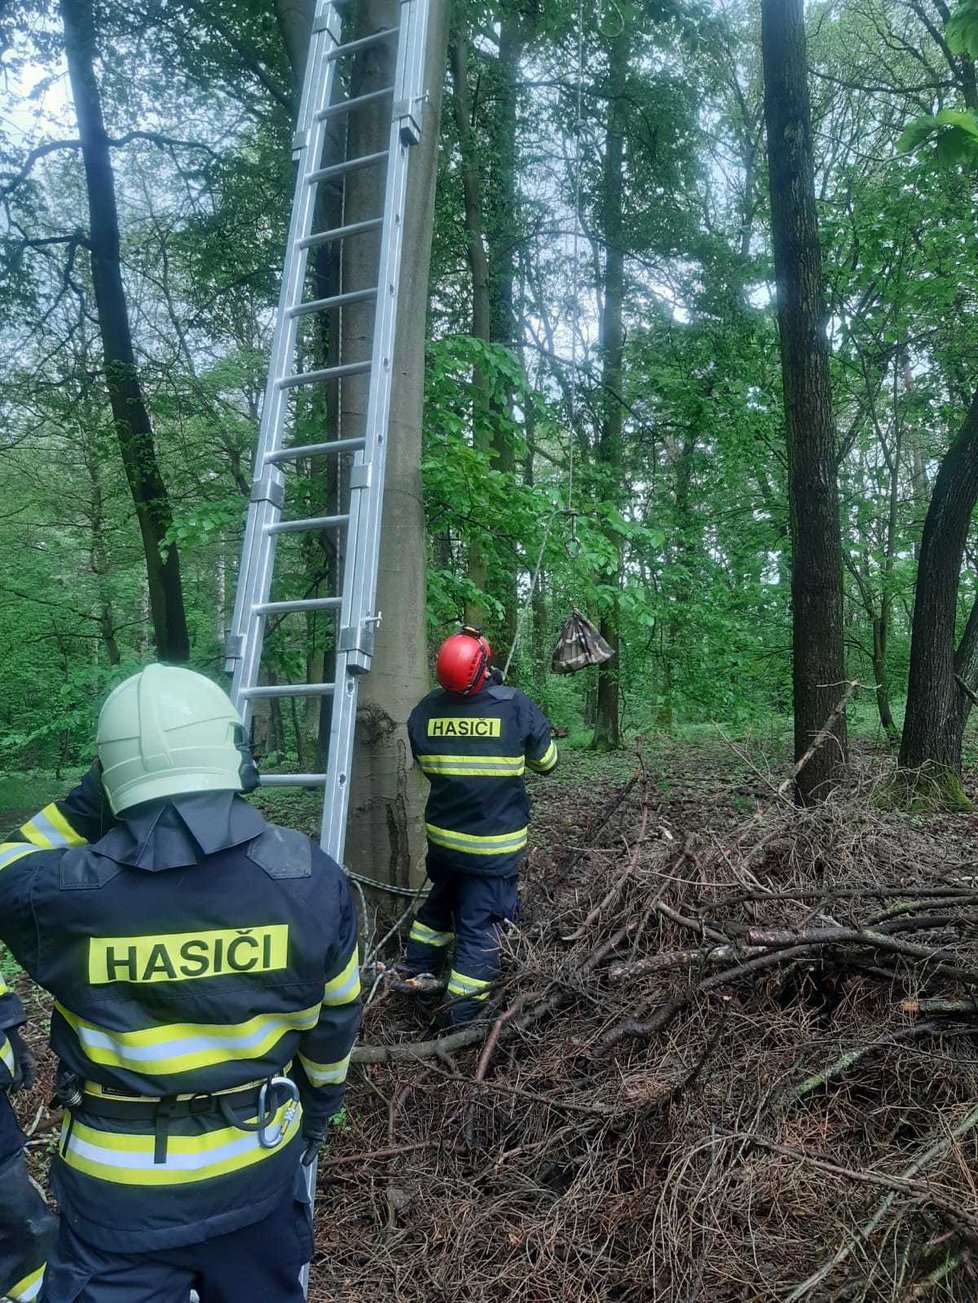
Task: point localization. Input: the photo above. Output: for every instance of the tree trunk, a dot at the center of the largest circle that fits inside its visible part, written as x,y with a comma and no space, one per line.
607,726
294,18
475,613
502,236
386,834
130,415
934,721
816,571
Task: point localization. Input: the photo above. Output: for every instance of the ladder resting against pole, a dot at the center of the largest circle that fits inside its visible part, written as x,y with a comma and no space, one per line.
333,117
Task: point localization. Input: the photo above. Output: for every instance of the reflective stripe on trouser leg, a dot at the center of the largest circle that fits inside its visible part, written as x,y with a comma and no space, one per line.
27,1227
484,904
27,1288
432,931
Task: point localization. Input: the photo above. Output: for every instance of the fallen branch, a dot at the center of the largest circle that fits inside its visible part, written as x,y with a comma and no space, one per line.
670,959
853,1056
898,1184
619,883
966,1125
832,936
823,733
603,817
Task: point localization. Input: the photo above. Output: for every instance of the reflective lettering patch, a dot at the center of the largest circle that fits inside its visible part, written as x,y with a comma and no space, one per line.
466,726
179,956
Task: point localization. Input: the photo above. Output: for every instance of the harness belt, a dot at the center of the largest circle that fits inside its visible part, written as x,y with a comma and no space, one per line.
263,1098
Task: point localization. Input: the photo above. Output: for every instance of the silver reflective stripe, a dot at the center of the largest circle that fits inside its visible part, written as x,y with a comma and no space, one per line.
326,1074
201,1049
50,829
11,851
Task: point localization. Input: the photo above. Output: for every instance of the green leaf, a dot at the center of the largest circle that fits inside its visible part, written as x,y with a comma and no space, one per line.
916,133
961,32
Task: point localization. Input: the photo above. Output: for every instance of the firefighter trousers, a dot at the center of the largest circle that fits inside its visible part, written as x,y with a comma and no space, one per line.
470,910
27,1228
255,1264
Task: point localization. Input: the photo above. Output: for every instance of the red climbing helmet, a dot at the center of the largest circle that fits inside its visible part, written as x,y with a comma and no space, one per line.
462,664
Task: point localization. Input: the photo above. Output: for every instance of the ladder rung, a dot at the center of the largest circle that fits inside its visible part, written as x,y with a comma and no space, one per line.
327,373
297,450
293,780
341,232
364,43
288,690
299,604
351,165
334,301
348,106
310,523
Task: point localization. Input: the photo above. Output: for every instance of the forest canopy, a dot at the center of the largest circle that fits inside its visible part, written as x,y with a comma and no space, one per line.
602,378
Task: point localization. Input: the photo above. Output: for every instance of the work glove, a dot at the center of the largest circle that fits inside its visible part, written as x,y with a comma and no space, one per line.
25,1064
313,1138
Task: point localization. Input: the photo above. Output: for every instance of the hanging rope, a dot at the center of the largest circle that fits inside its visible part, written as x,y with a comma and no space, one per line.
572,545
575,265
529,600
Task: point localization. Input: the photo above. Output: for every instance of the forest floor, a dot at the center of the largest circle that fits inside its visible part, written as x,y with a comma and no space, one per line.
733,1058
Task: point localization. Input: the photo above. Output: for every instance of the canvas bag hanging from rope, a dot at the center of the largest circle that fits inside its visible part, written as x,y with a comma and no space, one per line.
578,646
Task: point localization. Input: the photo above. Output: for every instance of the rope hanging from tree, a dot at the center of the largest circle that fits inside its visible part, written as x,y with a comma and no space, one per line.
579,643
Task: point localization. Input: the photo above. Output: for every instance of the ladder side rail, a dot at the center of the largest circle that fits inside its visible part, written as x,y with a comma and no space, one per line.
357,631
357,618
258,548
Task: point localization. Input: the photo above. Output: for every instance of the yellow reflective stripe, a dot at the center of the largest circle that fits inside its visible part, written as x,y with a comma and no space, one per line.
7,1055
472,987
129,1159
10,852
4,988
503,844
474,766
185,1047
28,1288
546,762
428,936
325,1074
345,986
51,829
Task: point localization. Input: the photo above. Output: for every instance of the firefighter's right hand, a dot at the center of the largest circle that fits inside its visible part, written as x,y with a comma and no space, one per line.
25,1064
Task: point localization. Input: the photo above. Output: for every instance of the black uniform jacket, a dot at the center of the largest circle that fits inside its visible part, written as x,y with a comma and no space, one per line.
474,752
193,951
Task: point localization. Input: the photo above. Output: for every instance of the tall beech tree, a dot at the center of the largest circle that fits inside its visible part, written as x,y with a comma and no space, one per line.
129,410
818,664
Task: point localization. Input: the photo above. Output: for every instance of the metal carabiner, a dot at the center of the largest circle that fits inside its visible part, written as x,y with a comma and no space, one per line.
265,1138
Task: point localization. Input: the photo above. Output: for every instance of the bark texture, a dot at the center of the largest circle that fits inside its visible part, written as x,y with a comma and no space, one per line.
936,706
129,411
818,667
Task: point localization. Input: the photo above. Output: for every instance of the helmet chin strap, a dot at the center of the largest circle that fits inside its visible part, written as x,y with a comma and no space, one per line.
482,670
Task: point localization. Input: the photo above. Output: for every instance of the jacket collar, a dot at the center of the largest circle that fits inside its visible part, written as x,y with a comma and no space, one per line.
180,830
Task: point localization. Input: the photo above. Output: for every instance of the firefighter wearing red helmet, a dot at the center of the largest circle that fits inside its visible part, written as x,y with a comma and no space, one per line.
473,738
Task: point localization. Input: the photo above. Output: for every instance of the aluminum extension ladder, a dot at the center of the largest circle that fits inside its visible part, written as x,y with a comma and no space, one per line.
328,113
325,104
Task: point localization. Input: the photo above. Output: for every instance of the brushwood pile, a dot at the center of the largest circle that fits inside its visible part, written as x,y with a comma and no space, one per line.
733,1058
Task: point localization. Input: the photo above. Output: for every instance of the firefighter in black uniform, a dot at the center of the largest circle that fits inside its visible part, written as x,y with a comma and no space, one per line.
27,1229
206,980
473,739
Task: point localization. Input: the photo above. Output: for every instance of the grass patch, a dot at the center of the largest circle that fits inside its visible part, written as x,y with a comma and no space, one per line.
35,789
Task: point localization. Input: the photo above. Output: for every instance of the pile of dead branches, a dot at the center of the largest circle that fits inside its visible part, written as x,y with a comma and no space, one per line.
736,1066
